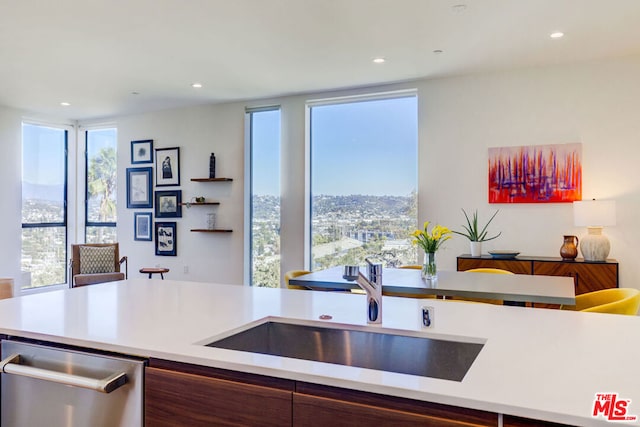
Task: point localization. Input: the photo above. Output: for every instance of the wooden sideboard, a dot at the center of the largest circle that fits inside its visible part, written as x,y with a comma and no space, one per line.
588,276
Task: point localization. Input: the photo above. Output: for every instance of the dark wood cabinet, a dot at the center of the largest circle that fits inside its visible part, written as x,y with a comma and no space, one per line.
184,399
179,394
511,421
588,276
317,405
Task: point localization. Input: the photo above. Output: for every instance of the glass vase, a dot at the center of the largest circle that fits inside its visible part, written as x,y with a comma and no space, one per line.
429,268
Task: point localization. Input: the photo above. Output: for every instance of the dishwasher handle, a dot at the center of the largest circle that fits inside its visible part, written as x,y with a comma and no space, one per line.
11,365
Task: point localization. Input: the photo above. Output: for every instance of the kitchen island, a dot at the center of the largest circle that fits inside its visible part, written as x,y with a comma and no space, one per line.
538,364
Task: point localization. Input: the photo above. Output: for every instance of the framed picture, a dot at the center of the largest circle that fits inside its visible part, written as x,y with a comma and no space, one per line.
142,151
142,226
166,244
167,166
139,188
168,204
535,173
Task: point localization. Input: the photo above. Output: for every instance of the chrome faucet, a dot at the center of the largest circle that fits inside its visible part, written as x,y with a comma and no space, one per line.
373,288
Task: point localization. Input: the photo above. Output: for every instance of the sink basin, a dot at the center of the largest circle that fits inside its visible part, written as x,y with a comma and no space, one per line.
413,355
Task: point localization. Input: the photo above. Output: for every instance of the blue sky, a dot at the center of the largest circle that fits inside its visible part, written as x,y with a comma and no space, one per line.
43,147
266,153
43,155
101,138
365,147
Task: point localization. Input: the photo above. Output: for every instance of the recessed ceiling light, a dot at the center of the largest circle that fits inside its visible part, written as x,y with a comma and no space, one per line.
65,104
459,8
135,92
437,51
378,60
196,85
556,35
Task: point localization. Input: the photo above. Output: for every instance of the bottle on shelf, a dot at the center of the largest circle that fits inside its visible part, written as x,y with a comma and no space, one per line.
212,166
211,221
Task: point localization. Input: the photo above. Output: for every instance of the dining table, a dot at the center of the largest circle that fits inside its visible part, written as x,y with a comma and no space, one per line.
513,289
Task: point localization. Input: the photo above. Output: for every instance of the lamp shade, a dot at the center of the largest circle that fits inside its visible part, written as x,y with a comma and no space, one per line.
594,213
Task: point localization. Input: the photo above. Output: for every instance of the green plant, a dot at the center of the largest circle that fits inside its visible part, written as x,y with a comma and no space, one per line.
472,230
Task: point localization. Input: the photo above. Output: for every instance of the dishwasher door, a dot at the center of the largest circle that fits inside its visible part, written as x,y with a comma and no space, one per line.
48,386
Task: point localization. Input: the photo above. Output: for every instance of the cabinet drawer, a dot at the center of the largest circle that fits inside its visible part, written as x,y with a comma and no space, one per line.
587,277
180,399
511,421
319,405
310,411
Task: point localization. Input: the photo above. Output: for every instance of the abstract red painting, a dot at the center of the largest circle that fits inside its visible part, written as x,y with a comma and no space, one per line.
535,173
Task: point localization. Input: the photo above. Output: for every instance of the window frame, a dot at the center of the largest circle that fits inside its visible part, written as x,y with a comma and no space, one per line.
248,187
309,105
68,218
87,222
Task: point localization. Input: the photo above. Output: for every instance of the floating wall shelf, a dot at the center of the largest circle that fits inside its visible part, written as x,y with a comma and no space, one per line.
187,204
207,230
211,179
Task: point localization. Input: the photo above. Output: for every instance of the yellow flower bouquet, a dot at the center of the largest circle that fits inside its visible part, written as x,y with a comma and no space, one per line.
430,242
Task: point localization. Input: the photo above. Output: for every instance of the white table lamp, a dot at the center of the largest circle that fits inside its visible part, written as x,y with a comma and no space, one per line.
595,215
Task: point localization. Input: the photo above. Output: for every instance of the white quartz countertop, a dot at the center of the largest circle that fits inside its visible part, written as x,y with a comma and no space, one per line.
536,363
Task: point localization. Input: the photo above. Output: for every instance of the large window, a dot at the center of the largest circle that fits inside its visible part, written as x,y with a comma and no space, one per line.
363,181
264,128
101,185
44,205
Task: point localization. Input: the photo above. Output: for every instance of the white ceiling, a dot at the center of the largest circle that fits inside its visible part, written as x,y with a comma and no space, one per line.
95,53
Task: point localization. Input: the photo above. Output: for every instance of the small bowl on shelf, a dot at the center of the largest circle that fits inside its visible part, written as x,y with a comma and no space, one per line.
504,254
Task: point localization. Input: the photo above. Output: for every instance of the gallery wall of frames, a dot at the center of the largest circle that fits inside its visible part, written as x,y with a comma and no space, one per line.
152,183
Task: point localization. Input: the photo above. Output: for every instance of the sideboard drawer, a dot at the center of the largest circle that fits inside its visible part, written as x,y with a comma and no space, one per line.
587,277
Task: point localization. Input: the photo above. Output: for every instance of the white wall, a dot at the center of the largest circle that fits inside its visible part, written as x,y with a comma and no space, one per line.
10,193
198,131
597,104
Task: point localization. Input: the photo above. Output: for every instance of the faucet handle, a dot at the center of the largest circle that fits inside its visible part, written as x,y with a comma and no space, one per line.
374,270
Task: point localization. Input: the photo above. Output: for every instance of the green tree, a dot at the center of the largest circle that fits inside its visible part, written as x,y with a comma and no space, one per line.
267,274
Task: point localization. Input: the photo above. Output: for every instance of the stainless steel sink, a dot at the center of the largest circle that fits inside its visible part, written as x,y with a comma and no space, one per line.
414,355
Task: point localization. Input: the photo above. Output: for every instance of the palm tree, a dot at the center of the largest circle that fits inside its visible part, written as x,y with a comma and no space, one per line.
102,183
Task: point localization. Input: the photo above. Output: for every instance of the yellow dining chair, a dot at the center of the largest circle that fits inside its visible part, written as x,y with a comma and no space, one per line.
613,301
292,274
488,271
404,295
6,288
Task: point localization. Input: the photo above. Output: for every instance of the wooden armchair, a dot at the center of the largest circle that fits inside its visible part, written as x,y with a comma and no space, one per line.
93,263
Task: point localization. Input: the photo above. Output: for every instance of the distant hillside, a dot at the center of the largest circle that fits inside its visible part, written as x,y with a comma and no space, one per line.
382,205
32,191
265,207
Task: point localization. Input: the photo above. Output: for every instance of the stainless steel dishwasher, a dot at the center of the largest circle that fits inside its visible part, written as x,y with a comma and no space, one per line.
49,386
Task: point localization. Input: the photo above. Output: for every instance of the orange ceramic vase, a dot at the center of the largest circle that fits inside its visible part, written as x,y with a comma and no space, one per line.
569,249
